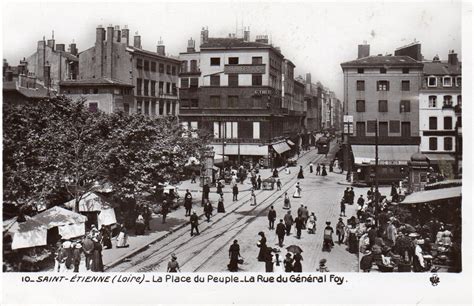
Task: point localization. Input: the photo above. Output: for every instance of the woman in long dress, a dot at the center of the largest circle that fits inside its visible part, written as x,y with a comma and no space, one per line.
300,173
262,244
353,241
323,171
253,198
297,193
297,267
286,202
234,254
122,238
220,205
97,264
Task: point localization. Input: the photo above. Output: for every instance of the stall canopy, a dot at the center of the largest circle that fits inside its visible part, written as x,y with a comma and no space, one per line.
93,202
435,158
365,154
26,234
291,143
433,195
281,147
70,224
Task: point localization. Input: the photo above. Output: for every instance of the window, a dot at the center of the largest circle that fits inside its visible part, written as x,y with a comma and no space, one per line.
256,80
383,86
147,107
405,106
139,87
184,103
160,88
257,60
371,126
184,83
93,107
405,85
405,70
448,144
139,106
126,108
232,101
448,123
215,61
153,88
433,143
432,81
173,70
184,66
360,128
153,66
433,123
85,91
360,106
447,81
360,70
215,101
256,130
146,66
174,90
215,80
95,90
383,106
459,100
360,85
161,107
257,102
458,81
432,101
194,103
193,65
168,87
447,101
194,83
161,68
383,128
233,60
168,69
233,80
139,63
394,126
383,70
145,87
406,129
194,125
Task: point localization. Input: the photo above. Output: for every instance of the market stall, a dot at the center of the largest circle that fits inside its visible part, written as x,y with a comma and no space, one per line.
98,209
65,223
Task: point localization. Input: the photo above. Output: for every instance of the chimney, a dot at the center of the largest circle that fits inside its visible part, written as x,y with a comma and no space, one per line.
413,50
99,52
452,58
363,50
247,34
110,33
204,35
47,75
108,51
51,43
308,78
137,42
191,46
125,35
61,47
262,39
160,48
99,34
117,33
40,59
73,49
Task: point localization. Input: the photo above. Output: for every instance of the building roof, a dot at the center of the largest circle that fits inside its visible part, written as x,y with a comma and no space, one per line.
151,53
94,82
382,60
428,196
235,43
441,68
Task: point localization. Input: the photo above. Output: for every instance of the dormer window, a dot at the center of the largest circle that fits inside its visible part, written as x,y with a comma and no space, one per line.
432,81
458,81
447,81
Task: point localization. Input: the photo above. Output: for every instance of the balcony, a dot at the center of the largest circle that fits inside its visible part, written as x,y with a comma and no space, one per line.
192,72
448,105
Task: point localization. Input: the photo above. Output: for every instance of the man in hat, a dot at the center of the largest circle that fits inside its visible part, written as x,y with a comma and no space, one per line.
188,203
288,218
208,210
88,248
280,231
235,192
343,208
322,266
194,223
299,223
173,265
271,218
340,231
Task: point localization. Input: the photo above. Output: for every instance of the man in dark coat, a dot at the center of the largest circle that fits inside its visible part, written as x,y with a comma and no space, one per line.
318,170
280,231
205,193
188,202
271,218
299,224
259,182
164,210
208,210
288,218
234,254
351,196
77,256
346,195
88,248
372,233
147,216
194,223
275,172
235,192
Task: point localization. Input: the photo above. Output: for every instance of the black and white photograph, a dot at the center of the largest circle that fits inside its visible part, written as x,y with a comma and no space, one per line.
234,138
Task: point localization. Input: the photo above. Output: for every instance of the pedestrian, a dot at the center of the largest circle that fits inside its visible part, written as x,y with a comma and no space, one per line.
300,210
366,261
280,232
323,170
253,198
235,192
77,256
353,241
259,183
299,223
271,218
340,231
318,170
188,203
219,188
194,220
278,184
140,224
300,173
106,236
88,248
351,196
343,208
297,266
97,264
305,216
269,260
328,231
234,254
391,233
312,224
275,172
60,258
288,263
147,217
67,246
253,179
220,205
287,170
208,210
346,195
298,190
164,210
311,168
322,266
288,218
121,238
262,244
286,202
173,265
205,193
193,177
361,201
331,167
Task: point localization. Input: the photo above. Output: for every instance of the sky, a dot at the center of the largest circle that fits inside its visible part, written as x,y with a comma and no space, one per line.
316,36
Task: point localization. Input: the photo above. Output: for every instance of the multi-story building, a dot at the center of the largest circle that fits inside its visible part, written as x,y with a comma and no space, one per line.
232,87
112,67
381,94
440,109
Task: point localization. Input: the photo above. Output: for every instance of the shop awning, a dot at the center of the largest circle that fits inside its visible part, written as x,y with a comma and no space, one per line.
243,149
90,202
218,158
435,158
433,195
388,155
291,143
281,147
69,223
